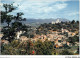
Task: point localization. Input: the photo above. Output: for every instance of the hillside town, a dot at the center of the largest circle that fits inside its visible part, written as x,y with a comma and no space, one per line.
58,37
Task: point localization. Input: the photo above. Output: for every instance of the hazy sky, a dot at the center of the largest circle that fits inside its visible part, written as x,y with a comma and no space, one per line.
47,8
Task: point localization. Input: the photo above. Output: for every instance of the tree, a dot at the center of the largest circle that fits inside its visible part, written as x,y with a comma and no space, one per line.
9,34
77,22
5,17
73,21
10,31
18,16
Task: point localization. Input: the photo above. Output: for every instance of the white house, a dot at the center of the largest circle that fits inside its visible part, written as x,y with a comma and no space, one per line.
18,34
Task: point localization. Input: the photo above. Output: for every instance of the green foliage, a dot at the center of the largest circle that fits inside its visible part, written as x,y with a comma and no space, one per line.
73,22
73,39
18,16
25,48
12,48
9,34
66,52
78,50
5,16
9,7
44,48
17,47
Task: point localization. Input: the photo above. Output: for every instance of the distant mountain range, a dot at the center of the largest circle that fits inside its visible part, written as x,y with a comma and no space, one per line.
37,22
41,21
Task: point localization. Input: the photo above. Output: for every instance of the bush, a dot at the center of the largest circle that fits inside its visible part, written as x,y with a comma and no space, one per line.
66,52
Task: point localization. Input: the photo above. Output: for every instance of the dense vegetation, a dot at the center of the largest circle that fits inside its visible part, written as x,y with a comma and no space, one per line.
71,26
29,48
